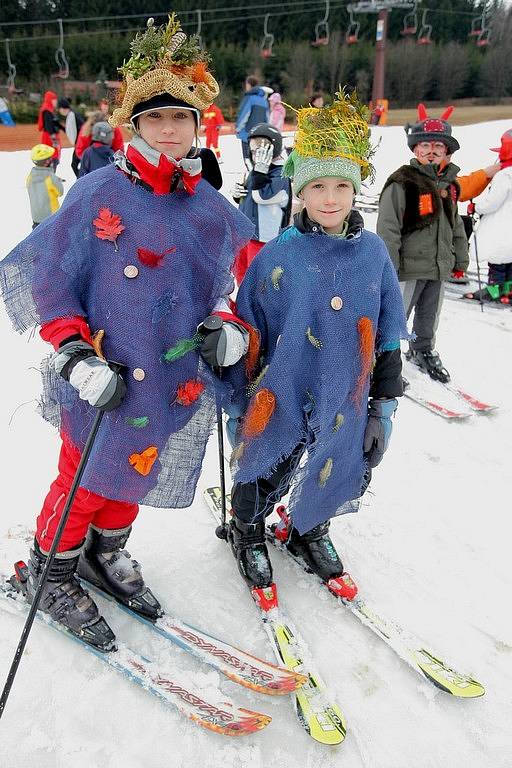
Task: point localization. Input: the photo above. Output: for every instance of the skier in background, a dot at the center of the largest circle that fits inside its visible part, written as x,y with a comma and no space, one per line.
213,120
265,196
43,186
252,111
277,111
71,127
49,126
419,222
5,115
100,153
494,233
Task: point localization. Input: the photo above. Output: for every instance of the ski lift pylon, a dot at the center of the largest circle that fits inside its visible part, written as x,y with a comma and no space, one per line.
60,55
267,41
11,77
322,28
352,33
425,33
410,22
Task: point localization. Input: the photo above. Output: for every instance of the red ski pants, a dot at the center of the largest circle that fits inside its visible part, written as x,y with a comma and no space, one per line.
87,507
212,139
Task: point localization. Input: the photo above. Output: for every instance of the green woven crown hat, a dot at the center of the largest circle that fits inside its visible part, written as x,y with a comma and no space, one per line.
331,141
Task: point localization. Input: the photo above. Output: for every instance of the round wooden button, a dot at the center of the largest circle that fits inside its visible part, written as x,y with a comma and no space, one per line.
139,374
336,302
131,271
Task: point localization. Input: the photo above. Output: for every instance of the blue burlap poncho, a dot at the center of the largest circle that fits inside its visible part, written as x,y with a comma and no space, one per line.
146,270
322,306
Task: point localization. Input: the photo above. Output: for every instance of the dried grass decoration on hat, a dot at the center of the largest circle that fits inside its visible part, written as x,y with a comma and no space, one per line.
165,60
332,141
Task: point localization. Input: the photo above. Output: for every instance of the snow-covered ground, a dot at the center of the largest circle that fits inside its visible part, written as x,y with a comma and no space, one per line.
430,547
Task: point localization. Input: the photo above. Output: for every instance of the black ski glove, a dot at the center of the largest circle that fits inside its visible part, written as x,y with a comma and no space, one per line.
224,342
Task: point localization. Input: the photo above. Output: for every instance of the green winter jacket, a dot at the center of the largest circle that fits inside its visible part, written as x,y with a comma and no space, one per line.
419,222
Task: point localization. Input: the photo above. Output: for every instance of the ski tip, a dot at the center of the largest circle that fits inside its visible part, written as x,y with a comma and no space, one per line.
326,726
246,722
279,683
446,679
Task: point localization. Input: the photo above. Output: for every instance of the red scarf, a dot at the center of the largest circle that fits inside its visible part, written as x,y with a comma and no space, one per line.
164,177
506,163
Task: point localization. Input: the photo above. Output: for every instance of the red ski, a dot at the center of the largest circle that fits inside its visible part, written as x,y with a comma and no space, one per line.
431,405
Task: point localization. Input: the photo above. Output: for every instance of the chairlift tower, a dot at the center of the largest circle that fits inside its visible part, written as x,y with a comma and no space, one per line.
382,8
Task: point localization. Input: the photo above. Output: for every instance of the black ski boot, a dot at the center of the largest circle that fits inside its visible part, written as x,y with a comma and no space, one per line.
317,550
105,564
65,600
250,550
430,362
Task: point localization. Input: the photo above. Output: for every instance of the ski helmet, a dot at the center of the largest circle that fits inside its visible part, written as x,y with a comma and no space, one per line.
432,129
102,132
41,152
267,131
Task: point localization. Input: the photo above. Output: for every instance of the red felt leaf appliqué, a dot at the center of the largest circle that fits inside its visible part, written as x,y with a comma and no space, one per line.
108,225
152,258
188,392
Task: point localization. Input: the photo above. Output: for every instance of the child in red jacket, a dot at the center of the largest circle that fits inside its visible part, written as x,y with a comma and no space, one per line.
213,120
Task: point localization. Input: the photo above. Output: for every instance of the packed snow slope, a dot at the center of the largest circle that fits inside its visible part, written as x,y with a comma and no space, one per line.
430,547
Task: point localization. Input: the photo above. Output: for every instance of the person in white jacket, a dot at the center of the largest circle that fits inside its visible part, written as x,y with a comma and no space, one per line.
494,234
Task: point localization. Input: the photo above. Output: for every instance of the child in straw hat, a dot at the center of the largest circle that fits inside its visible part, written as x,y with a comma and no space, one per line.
318,398
126,271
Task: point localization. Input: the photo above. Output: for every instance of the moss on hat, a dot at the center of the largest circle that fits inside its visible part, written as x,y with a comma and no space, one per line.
164,60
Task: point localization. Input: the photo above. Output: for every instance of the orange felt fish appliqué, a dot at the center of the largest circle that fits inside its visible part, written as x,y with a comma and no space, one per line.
108,226
259,413
366,346
143,462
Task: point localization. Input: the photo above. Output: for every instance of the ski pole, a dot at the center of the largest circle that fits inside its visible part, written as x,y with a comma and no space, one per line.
221,530
51,556
471,211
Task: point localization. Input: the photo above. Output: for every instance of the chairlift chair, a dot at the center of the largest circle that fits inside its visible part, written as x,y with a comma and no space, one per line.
11,77
267,41
321,34
425,33
410,23
352,33
484,38
322,29
60,55
477,26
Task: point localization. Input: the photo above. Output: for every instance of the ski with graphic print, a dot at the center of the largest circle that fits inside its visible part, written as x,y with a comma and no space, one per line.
413,651
318,714
171,688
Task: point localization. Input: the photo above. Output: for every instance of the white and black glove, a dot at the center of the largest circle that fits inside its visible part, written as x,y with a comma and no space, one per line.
224,342
262,158
239,191
91,376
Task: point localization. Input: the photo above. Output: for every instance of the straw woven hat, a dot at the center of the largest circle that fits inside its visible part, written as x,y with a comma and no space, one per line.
165,60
